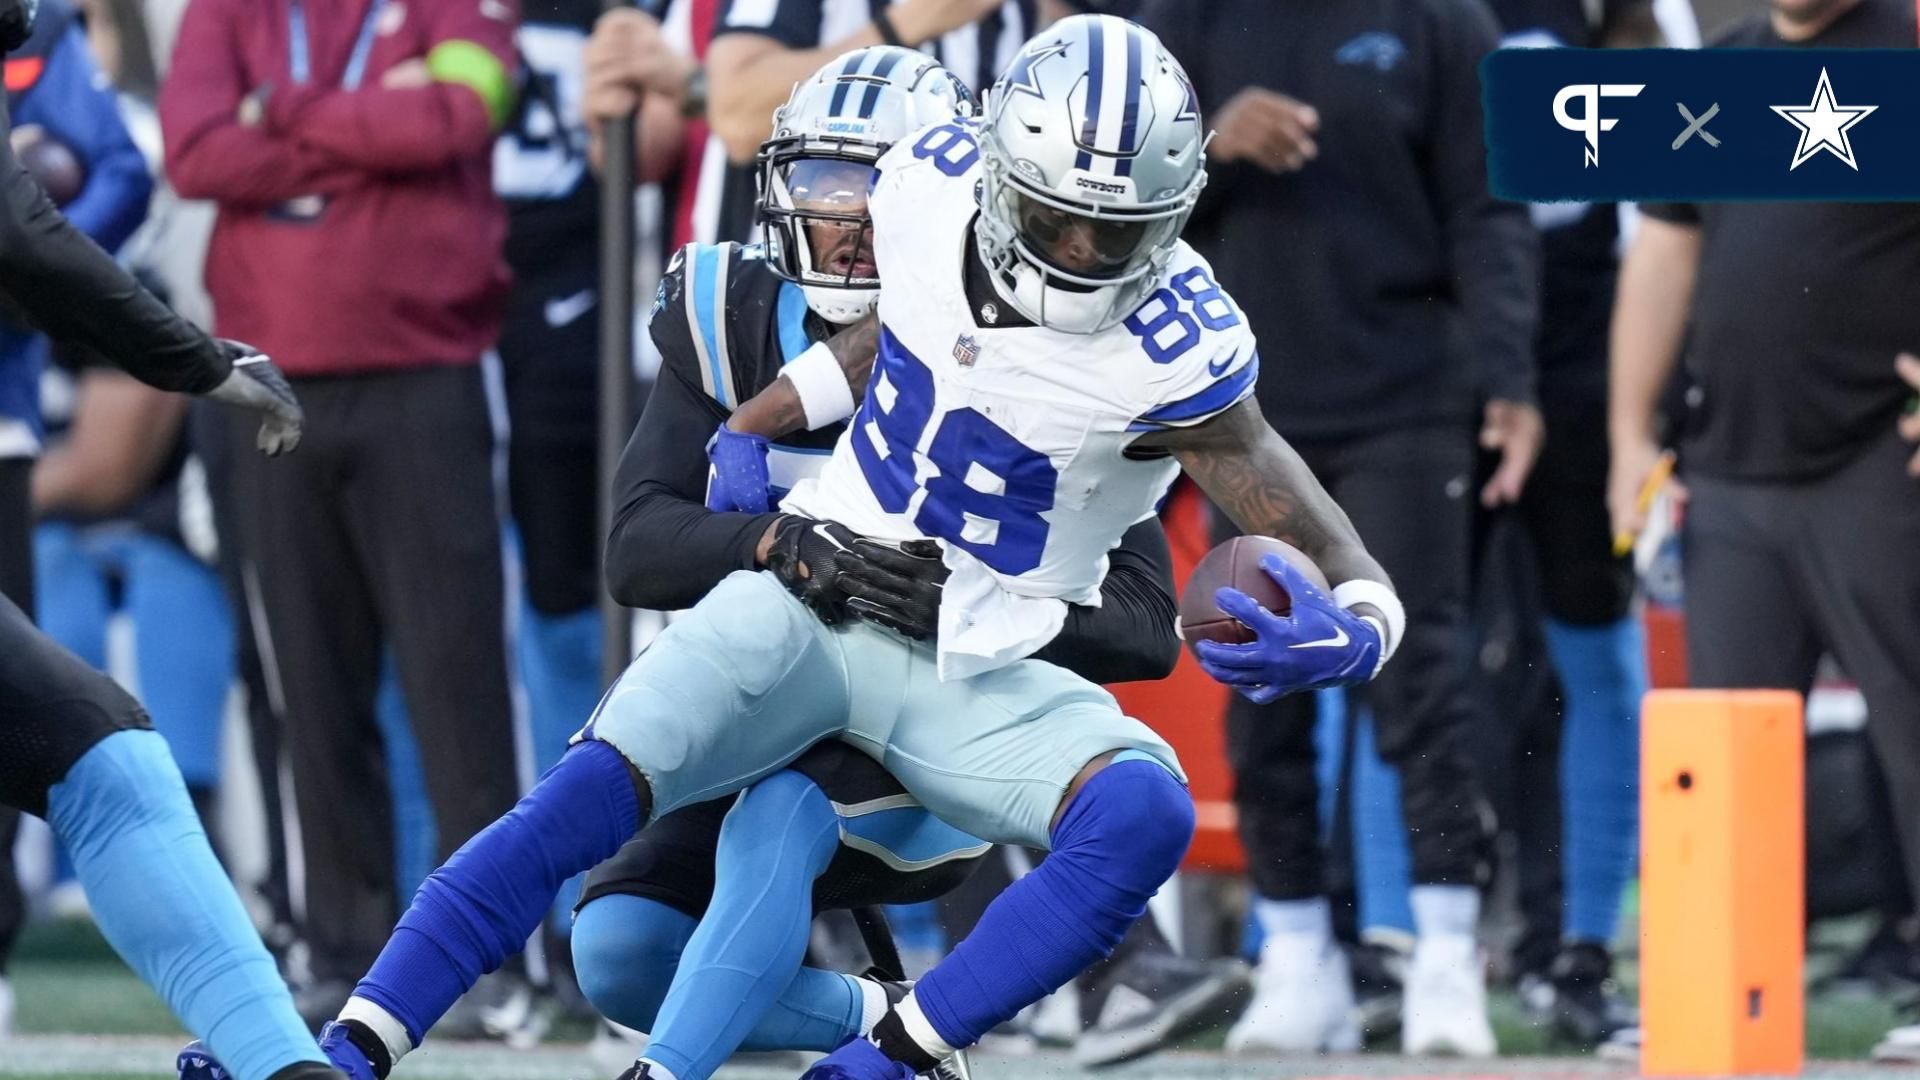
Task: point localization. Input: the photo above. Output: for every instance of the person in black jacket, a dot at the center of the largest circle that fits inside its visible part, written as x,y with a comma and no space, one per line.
74,747
1348,208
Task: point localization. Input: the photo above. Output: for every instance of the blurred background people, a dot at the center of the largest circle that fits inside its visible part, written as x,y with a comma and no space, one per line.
1796,331
1348,206
359,241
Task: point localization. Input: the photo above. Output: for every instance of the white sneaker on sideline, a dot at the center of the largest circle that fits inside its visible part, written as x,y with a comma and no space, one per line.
1302,1000
1444,1010
1901,1046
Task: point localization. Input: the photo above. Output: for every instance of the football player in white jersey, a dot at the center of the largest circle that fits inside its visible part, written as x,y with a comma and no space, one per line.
1051,357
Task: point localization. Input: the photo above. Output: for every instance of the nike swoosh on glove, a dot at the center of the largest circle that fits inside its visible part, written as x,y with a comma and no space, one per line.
804,556
896,587
257,385
739,480
1319,644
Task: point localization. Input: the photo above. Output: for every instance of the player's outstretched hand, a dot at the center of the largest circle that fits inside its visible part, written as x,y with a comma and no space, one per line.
804,556
739,480
897,587
1319,644
257,385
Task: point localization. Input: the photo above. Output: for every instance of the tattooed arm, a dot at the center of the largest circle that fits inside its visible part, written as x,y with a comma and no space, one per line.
1249,471
808,393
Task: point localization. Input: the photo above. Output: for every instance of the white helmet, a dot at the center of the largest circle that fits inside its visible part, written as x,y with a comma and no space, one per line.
1092,155
818,167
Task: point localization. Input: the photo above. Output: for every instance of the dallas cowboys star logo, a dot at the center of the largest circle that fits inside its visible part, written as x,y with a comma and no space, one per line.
1823,125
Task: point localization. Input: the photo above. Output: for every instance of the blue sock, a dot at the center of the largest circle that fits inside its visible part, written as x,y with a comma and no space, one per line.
1380,850
1603,675
481,907
560,666
740,975
1121,839
164,903
625,951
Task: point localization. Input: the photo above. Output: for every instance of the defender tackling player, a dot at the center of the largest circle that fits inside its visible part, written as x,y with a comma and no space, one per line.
1051,356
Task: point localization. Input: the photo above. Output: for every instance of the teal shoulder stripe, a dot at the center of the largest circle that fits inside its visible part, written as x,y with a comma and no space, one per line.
706,271
791,315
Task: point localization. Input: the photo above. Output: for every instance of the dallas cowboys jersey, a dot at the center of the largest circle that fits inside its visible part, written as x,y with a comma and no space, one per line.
1008,442
720,309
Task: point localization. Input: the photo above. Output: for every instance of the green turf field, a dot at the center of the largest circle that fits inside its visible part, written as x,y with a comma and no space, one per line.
83,1015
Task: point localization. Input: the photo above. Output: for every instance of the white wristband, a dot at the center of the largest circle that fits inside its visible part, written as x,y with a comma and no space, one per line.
1361,591
825,396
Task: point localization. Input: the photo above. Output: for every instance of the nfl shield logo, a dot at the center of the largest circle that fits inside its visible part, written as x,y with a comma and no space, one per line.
966,350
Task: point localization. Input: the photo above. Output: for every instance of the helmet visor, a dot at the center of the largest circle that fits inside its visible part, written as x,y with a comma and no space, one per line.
825,220
1085,246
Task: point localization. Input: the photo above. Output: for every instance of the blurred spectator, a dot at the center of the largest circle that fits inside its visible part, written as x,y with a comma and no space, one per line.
761,48
111,493
1803,515
1574,770
1348,211
68,134
359,243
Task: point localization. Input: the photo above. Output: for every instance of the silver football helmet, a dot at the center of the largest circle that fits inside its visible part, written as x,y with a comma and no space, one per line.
814,174
1092,156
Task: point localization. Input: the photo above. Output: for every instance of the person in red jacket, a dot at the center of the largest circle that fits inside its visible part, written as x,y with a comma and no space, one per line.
348,144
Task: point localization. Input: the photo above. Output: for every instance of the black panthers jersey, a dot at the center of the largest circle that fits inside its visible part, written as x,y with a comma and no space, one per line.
725,322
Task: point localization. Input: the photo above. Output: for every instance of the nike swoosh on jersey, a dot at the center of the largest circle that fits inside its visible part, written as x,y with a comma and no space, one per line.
1338,639
1219,369
562,310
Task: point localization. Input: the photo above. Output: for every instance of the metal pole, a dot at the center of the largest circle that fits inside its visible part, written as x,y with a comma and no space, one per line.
616,361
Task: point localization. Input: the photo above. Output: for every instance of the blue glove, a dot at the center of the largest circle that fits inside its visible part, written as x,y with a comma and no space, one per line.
1320,644
739,472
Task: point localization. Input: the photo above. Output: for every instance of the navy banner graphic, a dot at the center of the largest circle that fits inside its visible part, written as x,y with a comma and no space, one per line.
1601,125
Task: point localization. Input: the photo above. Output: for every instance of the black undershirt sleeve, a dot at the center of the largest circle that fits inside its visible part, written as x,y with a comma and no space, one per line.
666,549
61,282
1130,635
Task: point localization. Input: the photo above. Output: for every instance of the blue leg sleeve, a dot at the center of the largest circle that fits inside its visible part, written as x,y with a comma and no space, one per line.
625,951
1121,839
740,982
1603,673
164,903
481,907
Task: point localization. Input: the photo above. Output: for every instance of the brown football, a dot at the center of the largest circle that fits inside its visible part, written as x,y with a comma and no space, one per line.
1236,563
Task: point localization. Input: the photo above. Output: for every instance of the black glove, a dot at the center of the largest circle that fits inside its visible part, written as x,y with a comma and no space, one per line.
897,587
803,558
257,385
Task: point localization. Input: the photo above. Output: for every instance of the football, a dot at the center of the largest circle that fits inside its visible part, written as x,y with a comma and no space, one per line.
1236,563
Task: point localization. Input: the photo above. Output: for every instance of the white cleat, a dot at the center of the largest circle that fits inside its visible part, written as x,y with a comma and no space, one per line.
1444,1010
1302,1000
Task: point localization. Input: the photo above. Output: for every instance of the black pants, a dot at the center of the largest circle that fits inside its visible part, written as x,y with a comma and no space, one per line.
211,427
1778,573
382,530
1550,557
553,394
16,584
1408,492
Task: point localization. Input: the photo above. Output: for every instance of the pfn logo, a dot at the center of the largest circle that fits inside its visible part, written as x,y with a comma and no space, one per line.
1589,122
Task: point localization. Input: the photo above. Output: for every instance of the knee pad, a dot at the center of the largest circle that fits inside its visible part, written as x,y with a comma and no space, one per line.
1129,827
625,951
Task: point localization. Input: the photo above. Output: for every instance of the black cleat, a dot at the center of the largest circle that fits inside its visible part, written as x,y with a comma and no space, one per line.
1152,1000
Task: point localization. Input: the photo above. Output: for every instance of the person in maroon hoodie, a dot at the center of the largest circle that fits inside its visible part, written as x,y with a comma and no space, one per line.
348,145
